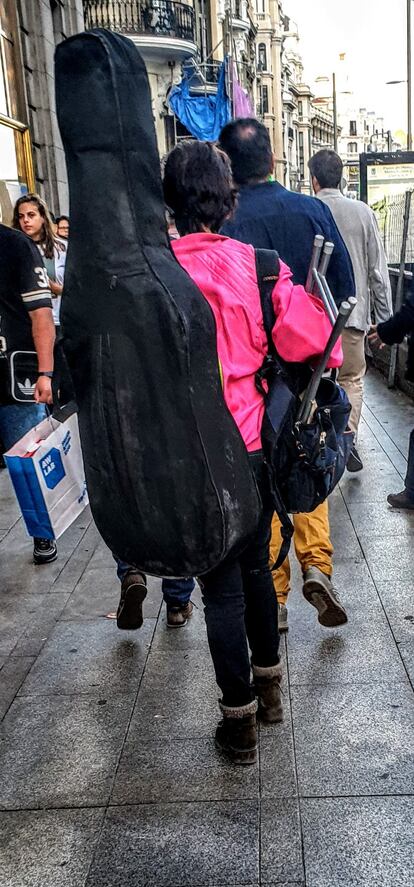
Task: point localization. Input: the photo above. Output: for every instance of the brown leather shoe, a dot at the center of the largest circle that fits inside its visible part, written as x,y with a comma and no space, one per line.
267,687
133,593
179,616
236,734
401,500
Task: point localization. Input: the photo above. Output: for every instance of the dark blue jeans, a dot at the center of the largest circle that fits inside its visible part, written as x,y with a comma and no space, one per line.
17,419
177,592
409,478
241,607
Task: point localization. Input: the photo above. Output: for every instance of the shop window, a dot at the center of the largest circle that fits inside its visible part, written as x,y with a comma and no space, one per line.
301,156
16,170
16,177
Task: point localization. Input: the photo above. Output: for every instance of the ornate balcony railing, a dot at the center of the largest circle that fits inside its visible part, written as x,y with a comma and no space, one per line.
159,17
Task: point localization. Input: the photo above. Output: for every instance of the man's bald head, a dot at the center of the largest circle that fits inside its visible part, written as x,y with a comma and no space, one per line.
246,141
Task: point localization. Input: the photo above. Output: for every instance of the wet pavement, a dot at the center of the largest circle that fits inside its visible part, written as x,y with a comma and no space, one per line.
108,771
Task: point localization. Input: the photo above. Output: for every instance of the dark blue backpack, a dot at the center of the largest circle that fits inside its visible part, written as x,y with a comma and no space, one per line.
305,461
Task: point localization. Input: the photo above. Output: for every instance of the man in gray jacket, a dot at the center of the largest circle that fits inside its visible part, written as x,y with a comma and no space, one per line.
358,226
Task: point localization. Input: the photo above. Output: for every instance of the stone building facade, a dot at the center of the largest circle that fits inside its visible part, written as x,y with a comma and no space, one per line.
30,31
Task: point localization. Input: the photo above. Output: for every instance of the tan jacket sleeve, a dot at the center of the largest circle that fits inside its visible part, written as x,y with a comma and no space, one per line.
378,276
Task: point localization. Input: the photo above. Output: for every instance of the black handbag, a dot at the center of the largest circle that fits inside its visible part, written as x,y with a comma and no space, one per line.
305,460
18,376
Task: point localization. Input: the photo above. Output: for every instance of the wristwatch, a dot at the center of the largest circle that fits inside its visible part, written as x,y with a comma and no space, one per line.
46,373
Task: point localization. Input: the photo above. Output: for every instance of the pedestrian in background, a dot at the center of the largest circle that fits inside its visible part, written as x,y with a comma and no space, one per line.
62,227
270,217
32,216
358,226
26,325
393,332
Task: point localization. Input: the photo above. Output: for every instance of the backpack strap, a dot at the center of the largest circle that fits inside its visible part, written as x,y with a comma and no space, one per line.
267,270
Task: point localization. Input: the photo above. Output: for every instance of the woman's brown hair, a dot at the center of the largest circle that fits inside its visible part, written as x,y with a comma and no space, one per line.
48,240
198,187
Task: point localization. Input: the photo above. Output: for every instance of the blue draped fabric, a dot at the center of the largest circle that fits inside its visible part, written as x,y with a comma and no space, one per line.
203,115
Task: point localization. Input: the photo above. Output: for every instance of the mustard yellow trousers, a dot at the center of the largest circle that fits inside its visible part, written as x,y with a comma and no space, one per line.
313,547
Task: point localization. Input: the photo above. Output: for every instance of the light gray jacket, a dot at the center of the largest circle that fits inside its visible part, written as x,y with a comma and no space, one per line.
358,226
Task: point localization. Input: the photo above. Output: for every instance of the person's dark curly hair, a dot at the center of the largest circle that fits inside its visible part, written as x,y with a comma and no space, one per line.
198,187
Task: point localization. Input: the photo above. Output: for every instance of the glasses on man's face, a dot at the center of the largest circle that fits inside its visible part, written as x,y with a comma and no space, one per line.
63,229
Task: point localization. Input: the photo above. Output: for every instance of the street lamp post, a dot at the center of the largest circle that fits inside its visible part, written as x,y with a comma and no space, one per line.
408,80
409,126
335,114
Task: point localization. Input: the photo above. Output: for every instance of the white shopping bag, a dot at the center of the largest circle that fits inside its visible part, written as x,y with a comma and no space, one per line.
48,476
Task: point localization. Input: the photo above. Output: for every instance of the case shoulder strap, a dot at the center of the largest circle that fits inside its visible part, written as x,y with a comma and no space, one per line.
267,270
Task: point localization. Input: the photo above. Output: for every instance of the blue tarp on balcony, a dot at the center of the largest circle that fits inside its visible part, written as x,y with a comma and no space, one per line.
203,115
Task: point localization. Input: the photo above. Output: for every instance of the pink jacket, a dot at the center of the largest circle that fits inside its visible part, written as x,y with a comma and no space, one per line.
225,272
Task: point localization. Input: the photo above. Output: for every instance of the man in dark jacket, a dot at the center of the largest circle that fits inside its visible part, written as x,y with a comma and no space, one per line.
391,332
270,217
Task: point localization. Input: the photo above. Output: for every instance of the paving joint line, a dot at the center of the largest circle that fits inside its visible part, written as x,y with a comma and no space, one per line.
112,784
379,596
292,724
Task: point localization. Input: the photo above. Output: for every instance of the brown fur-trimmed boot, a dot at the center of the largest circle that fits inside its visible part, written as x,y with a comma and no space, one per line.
236,734
267,683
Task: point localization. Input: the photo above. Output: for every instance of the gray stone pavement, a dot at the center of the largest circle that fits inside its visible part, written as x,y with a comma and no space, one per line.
108,772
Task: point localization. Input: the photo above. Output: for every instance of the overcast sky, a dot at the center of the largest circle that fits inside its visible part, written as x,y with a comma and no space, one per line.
372,33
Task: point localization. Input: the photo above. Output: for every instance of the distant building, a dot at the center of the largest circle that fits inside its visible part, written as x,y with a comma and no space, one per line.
307,119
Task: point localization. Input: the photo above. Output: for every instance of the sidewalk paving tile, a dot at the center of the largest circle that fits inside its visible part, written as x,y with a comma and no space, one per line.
47,848
27,620
388,559
281,851
353,654
94,657
277,763
354,740
12,675
178,697
180,770
61,751
178,845
97,594
397,599
358,842
370,520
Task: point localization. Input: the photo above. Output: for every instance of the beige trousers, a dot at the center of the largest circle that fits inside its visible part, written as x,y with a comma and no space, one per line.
352,372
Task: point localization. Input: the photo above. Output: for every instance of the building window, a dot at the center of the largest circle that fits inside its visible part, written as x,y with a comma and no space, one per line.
265,100
260,7
300,110
352,148
301,156
352,128
16,169
262,57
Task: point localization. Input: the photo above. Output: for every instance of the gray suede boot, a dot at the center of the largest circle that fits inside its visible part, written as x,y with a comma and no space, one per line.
236,734
267,683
